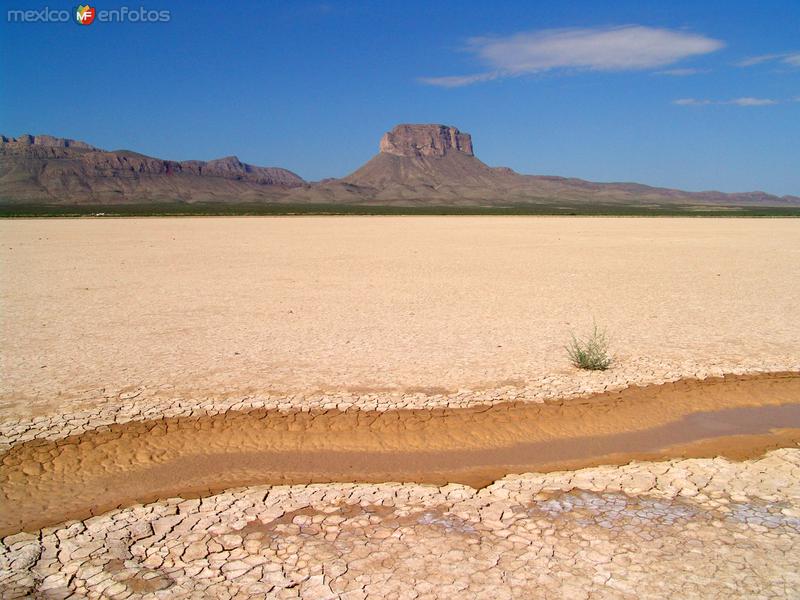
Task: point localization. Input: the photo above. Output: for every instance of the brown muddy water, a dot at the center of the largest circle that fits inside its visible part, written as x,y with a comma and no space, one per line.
47,482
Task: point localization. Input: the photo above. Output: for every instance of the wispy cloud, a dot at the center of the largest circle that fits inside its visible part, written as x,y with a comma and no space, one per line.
458,80
691,102
625,48
745,101
787,58
682,72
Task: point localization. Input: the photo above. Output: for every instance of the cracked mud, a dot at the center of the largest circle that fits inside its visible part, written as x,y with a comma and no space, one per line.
604,532
43,483
140,383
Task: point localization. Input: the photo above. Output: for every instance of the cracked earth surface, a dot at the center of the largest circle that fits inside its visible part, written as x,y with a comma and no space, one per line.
108,323
695,528
46,482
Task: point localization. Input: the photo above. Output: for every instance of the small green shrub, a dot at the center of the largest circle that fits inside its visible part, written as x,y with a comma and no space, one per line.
591,352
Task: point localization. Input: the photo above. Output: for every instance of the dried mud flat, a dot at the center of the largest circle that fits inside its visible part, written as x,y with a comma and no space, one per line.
149,358
696,528
47,482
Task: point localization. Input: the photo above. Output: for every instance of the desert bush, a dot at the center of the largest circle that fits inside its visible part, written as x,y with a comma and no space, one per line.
590,352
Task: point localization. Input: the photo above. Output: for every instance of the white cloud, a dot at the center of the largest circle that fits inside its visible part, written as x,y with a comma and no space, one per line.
681,72
787,58
752,101
757,60
626,48
746,101
690,102
458,80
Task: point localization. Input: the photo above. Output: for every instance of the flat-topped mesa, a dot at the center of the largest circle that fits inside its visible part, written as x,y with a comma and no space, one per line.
425,140
45,140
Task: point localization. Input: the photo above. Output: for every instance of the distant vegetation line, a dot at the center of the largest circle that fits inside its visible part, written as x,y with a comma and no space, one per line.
279,209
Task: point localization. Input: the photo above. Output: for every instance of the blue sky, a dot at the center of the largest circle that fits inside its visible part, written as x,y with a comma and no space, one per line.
695,95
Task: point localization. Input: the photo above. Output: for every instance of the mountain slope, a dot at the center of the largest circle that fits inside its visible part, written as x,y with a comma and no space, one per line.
56,170
417,165
437,162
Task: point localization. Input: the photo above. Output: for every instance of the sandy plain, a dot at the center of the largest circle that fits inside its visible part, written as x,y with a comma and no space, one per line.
395,307
123,341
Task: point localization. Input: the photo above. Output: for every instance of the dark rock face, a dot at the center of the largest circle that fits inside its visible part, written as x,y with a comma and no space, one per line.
44,168
231,167
425,140
47,141
102,163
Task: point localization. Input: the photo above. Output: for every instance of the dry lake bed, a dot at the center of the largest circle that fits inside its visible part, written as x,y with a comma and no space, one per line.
383,407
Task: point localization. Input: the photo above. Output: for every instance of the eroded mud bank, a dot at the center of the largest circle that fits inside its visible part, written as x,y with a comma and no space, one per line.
43,483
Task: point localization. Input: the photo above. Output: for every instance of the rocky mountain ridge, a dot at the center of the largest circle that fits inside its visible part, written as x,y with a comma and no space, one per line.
417,165
44,140
63,171
425,140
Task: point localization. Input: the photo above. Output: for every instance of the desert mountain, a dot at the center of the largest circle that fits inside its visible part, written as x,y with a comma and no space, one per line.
55,170
424,163
416,165
428,156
